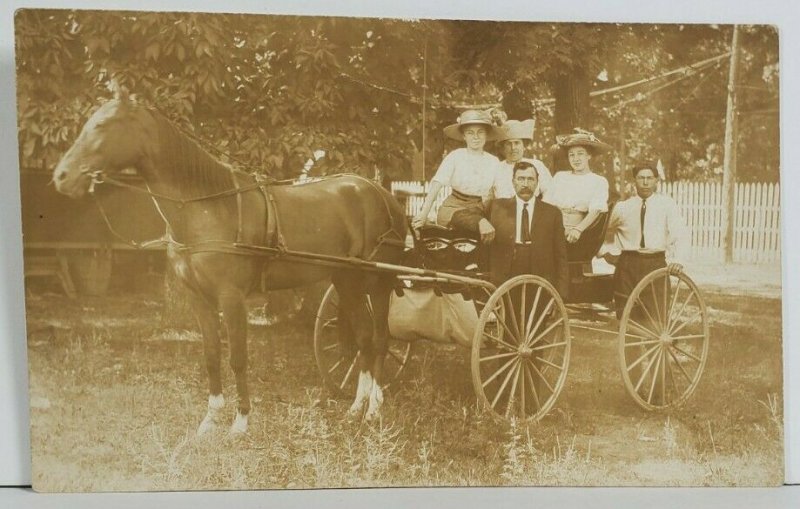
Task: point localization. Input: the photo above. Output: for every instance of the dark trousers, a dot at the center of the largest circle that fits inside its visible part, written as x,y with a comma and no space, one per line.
632,267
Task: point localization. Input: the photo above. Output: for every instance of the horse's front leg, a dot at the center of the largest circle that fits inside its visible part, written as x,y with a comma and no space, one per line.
234,315
208,320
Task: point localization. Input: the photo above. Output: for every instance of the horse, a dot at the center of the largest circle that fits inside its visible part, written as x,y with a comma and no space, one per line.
213,213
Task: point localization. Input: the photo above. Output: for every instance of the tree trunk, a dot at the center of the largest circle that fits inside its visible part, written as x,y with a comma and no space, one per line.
571,91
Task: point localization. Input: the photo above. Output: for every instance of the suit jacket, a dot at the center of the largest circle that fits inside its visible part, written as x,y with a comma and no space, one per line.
549,245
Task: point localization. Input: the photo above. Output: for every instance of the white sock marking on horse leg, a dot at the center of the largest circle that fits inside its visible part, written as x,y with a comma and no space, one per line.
239,425
362,393
375,401
216,402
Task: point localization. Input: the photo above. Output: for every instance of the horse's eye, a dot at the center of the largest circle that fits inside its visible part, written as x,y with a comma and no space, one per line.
435,245
464,246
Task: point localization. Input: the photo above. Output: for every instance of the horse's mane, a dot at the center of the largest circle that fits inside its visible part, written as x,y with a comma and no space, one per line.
192,168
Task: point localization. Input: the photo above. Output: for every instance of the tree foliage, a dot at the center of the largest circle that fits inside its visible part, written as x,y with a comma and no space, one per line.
269,91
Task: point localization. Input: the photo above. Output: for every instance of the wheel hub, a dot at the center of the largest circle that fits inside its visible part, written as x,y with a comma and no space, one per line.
666,339
525,352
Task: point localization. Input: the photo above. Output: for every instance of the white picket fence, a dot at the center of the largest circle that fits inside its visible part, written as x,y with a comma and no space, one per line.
756,227
756,221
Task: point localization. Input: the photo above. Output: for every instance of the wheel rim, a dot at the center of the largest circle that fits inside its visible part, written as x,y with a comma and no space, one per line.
663,340
521,349
337,360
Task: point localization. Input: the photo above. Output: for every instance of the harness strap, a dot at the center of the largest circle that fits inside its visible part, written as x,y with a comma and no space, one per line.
238,206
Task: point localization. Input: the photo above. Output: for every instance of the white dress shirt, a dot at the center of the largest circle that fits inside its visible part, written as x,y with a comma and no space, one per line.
520,203
585,192
664,229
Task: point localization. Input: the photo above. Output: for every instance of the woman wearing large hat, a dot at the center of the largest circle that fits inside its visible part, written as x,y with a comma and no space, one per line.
469,171
581,194
513,137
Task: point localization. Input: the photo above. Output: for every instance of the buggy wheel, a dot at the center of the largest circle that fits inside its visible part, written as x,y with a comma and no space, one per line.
663,340
337,357
520,351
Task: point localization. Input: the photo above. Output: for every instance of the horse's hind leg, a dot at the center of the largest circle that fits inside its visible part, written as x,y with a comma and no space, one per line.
208,320
353,303
380,343
234,315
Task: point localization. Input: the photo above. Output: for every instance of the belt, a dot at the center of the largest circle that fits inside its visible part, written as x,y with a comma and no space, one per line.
462,196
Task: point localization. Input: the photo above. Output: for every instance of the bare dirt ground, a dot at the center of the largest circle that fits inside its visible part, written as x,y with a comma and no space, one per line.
116,400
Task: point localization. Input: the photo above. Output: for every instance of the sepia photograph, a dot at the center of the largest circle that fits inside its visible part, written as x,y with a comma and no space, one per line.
290,252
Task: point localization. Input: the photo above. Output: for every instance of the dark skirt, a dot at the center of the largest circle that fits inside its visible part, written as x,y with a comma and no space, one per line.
632,267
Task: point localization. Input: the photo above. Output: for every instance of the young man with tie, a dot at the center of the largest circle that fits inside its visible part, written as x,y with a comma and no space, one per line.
526,235
649,234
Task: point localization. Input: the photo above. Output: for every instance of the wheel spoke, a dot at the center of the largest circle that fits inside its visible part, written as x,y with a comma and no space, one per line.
330,322
330,347
672,304
642,328
500,341
542,359
642,357
655,303
640,303
680,312
522,298
642,343
336,365
687,354
533,310
541,319
678,363
690,336
533,385
655,376
541,375
646,371
510,307
544,333
687,322
497,373
502,321
671,375
498,356
349,373
549,345
512,394
521,377
503,386
663,372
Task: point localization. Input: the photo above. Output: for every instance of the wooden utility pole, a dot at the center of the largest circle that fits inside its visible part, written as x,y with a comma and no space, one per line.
424,100
729,162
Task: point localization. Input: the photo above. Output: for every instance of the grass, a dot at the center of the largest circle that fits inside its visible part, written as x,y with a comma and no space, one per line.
116,401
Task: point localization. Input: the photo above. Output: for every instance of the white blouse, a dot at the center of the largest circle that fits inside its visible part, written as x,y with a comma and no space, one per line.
587,192
467,172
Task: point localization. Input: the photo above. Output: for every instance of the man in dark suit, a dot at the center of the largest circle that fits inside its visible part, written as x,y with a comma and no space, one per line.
526,235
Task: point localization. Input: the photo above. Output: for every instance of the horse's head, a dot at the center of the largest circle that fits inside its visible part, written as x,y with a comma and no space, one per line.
111,140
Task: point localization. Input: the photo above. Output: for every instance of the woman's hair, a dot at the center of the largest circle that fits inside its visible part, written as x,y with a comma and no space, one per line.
591,151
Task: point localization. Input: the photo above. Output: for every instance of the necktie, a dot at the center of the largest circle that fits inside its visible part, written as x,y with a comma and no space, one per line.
525,227
641,219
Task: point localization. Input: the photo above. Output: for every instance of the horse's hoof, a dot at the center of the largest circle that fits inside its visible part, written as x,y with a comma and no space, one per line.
209,424
372,416
239,426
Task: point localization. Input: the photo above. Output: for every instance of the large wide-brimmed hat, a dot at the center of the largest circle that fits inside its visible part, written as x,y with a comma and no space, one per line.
517,130
581,138
472,117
